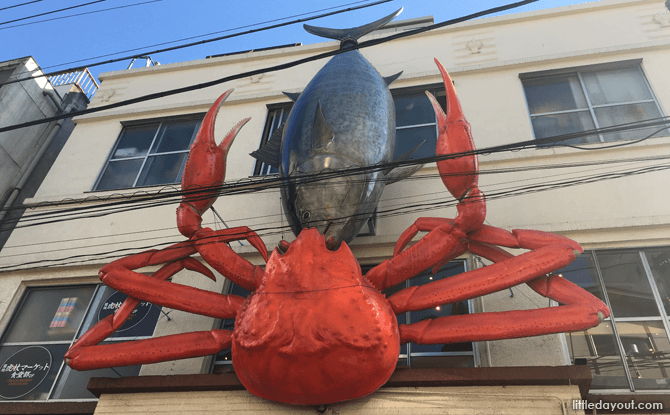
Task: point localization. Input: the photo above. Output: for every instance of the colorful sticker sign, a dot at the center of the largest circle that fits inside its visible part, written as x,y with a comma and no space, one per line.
63,312
24,371
114,301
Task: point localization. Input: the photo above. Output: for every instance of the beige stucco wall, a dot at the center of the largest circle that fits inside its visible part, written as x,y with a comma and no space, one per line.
623,212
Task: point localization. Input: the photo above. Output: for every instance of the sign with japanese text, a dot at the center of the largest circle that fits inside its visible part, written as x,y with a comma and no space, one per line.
114,301
24,371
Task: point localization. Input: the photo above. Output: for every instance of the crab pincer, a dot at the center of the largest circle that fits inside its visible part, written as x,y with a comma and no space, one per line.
205,170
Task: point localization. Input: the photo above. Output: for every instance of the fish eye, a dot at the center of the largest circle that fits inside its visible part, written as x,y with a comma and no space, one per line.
305,215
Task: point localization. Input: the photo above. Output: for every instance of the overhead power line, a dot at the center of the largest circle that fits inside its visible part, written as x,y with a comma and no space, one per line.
80,14
153,52
51,12
21,4
275,68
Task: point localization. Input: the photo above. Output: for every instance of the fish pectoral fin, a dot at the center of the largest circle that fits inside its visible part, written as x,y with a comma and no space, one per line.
293,96
270,151
392,78
401,173
323,134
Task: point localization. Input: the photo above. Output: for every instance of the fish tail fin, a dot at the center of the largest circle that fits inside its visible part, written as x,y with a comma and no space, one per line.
351,35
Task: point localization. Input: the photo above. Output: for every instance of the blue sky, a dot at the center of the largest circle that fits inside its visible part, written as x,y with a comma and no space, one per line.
63,41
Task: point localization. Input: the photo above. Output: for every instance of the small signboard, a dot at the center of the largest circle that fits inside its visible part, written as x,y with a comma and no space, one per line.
114,301
24,371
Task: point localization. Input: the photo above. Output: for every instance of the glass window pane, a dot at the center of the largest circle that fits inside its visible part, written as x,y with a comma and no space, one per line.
50,315
659,262
408,138
622,114
582,272
175,136
646,346
566,123
598,347
72,384
556,93
135,141
626,283
616,85
460,308
229,324
413,109
166,169
141,323
10,389
120,174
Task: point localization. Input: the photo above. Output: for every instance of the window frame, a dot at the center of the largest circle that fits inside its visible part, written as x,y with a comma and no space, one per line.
100,293
613,320
160,121
590,108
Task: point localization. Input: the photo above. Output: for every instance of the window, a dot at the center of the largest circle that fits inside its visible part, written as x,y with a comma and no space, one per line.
45,325
414,355
580,99
631,349
415,123
149,154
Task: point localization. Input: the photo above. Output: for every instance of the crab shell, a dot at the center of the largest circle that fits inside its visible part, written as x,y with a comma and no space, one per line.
316,331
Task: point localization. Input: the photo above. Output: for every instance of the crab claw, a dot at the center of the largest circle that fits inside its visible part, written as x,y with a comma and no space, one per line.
205,170
460,175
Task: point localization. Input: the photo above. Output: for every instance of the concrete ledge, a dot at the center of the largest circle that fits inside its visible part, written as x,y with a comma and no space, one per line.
402,377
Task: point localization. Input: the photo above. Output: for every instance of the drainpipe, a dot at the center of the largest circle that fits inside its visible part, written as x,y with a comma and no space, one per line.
38,156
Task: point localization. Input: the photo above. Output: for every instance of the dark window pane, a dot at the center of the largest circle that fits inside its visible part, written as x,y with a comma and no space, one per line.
135,141
626,284
559,124
460,308
413,109
582,272
72,384
558,93
166,169
622,114
175,136
50,315
41,391
141,323
659,263
229,324
616,85
598,347
646,347
408,138
120,174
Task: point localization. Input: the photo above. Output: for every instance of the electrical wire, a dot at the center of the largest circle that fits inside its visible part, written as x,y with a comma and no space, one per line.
385,213
275,68
124,58
52,11
21,4
75,15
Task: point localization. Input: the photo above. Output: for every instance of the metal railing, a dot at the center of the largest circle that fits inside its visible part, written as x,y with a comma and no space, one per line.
83,79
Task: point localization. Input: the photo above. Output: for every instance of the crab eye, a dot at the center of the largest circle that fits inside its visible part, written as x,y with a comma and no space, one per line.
306,215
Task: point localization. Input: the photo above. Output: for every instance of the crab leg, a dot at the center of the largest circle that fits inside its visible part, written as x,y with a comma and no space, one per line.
140,352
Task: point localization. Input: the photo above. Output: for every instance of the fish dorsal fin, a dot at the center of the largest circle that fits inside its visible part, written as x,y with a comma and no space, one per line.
270,151
323,134
351,35
392,78
293,96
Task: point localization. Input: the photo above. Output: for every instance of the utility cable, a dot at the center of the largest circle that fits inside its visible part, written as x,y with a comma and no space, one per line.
53,11
75,15
261,29
21,4
275,68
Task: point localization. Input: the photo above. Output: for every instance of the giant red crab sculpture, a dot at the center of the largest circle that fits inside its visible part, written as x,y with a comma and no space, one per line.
316,331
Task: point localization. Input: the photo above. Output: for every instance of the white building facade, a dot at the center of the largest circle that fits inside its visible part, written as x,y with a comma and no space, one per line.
519,77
